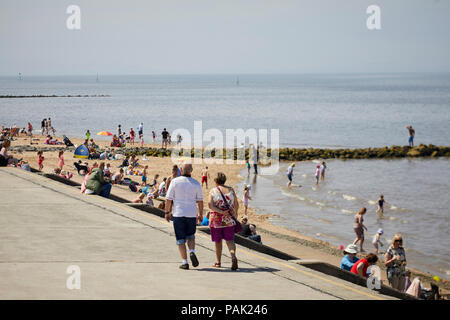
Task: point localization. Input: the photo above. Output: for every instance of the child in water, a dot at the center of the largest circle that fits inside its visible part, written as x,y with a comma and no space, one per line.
317,174
380,202
376,240
245,198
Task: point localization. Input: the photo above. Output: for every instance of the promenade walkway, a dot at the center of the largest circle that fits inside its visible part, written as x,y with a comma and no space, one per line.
125,253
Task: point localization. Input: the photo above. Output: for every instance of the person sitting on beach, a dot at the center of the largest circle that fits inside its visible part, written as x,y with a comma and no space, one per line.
5,158
107,171
249,231
140,198
67,141
162,188
150,198
349,258
130,171
117,177
133,161
125,163
93,145
61,173
115,142
154,184
97,182
360,267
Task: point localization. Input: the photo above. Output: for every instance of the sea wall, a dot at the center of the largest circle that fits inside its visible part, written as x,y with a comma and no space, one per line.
287,154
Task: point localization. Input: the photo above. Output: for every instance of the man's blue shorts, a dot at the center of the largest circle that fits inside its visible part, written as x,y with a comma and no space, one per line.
411,139
184,228
289,177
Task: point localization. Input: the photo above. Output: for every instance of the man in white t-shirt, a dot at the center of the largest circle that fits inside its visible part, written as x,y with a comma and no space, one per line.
182,199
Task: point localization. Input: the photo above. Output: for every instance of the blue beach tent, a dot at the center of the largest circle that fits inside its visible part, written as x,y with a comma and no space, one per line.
81,152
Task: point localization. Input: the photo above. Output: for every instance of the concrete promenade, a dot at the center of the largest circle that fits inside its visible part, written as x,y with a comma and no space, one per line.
125,253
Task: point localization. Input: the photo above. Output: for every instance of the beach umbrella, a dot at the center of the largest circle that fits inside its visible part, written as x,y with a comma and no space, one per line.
104,133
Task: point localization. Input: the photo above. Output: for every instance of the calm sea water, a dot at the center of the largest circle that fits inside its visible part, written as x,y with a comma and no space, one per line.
333,111
416,191
309,110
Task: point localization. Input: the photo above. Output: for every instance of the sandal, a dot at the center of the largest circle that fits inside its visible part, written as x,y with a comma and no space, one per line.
234,263
217,265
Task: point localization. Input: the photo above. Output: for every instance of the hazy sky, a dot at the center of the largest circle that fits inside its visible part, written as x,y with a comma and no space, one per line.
223,36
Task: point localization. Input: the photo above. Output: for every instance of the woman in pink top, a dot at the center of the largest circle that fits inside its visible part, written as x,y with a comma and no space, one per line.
224,206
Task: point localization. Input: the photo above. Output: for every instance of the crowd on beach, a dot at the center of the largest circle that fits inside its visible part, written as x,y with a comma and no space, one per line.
181,198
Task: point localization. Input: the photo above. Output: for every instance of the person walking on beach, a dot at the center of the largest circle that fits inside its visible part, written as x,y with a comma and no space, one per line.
43,125
205,176
222,219
141,133
132,135
88,135
183,195
141,129
245,198
30,129
411,133
377,240
359,227
248,166
290,174
179,139
323,167
317,174
154,136
40,160
253,155
395,262
165,135
119,130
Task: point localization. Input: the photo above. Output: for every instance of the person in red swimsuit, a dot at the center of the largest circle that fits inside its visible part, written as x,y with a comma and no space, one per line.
360,267
205,175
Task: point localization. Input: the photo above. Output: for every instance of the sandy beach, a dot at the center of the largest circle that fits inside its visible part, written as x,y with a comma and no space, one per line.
280,238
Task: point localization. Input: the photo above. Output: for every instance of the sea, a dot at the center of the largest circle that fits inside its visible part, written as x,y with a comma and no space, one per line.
307,110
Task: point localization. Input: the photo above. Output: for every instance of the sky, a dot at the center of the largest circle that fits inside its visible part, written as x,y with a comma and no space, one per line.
223,37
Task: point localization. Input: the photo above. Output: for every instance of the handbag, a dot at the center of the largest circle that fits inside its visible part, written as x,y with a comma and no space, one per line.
237,226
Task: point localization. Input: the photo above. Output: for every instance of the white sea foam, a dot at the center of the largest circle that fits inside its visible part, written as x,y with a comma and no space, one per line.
371,202
346,211
348,197
394,208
